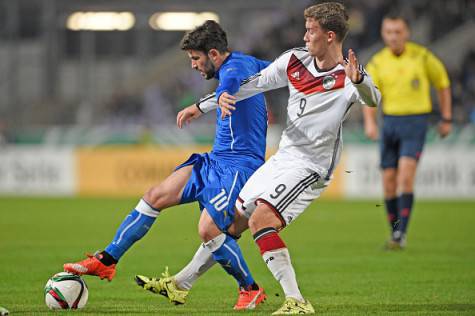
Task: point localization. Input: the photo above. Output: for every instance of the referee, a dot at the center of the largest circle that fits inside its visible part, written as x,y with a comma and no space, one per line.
404,72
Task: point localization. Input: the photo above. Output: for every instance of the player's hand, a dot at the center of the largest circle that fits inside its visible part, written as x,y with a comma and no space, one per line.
444,128
226,103
351,67
371,130
188,114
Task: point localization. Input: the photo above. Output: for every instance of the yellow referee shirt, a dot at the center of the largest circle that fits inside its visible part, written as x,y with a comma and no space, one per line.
404,81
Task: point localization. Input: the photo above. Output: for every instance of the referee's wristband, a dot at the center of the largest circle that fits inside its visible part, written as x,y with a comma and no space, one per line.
446,120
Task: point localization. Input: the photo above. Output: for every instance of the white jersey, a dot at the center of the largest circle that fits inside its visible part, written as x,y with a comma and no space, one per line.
319,102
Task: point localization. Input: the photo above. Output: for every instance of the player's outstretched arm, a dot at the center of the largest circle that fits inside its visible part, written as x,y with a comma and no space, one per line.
272,77
187,115
367,91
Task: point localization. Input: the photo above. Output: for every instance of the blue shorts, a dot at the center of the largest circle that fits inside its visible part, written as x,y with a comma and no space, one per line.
215,186
402,136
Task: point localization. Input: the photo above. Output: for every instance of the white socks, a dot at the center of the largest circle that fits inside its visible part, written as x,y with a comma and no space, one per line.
202,261
145,208
215,243
278,262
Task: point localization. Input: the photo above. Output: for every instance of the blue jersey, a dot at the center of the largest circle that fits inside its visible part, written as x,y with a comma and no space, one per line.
239,146
241,138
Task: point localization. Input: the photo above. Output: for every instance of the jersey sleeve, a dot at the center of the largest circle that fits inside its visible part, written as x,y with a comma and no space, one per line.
366,92
230,83
274,76
230,79
207,103
436,72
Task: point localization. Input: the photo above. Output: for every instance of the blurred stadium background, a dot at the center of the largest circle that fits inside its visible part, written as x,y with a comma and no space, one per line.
77,77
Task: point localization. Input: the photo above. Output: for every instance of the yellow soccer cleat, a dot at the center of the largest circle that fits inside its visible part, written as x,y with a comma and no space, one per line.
292,306
165,286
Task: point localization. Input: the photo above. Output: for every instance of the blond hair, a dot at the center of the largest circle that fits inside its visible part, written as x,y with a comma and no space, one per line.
331,16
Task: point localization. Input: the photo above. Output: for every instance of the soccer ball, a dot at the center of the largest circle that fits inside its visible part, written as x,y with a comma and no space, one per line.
66,291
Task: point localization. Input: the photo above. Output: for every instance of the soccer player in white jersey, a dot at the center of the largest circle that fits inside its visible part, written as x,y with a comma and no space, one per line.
323,86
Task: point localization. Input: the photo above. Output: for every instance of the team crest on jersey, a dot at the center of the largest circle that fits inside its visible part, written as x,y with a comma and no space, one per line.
328,82
415,83
304,81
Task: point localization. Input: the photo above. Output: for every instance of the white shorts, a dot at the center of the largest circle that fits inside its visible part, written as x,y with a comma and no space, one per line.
286,185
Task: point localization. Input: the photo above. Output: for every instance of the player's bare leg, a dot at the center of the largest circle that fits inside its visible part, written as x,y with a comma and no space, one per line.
406,174
169,192
390,183
264,225
134,226
240,224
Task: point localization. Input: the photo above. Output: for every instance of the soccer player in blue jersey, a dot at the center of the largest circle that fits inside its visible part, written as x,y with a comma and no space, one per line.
212,179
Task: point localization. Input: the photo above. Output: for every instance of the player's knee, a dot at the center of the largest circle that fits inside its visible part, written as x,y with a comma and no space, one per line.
207,229
156,197
263,217
390,182
203,232
407,184
390,189
207,233
389,175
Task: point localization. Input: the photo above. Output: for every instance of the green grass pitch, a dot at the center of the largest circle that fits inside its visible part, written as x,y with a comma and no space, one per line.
336,248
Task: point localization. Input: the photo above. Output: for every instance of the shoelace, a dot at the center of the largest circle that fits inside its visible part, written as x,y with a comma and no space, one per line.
151,284
166,274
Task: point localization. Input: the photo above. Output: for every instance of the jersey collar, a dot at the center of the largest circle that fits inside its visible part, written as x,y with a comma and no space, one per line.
216,75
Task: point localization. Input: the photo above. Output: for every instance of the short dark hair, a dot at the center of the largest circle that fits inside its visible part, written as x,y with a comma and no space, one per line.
332,16
205,37
393,15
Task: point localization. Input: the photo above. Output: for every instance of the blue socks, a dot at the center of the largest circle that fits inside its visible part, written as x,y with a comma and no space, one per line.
225,249
405,202
392,212
399,212
132,229
227,253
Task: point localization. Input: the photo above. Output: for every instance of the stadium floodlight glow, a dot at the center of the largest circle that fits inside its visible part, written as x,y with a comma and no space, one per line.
180,21
100,21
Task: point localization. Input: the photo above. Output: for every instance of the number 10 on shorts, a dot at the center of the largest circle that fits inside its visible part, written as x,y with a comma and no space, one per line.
220,201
